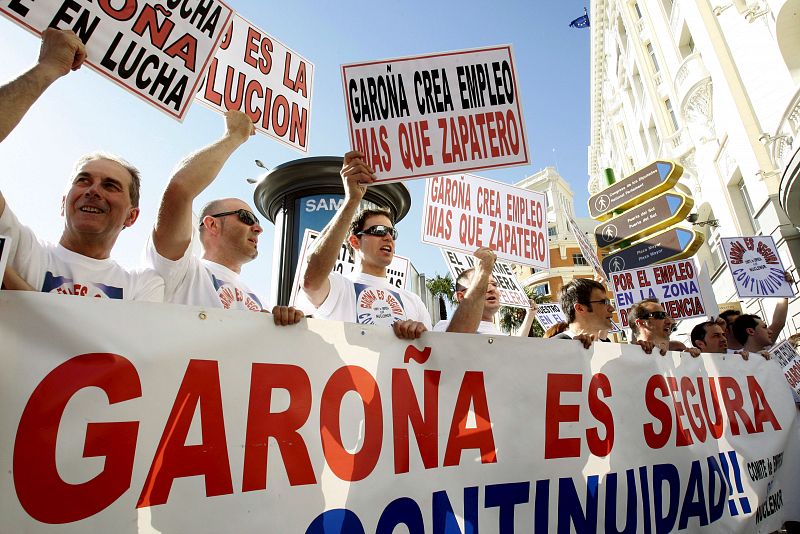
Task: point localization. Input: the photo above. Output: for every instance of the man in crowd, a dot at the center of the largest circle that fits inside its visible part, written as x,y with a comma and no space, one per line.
102,200
753,335
365,296
650,322
709,337
589,311
228,232
777,324
478,300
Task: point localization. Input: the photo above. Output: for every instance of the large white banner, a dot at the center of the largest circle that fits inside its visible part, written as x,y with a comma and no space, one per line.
465,212
157,51
255,73
141,417
756,267
434,114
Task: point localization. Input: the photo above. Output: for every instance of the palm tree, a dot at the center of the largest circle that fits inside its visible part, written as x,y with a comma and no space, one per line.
512,318
441,287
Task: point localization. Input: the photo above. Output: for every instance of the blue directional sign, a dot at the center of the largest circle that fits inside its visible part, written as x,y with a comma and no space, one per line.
669,245
636,188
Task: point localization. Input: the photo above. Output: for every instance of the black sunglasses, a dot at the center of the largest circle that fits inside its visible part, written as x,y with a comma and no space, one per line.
380,230
246,216
655,315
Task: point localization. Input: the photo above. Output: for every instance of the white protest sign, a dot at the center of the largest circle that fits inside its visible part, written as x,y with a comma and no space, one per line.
587,250
435,114
5,251
511,292
786,356
550,314
255,73
756,267
158,52
674,284
466,212
396,272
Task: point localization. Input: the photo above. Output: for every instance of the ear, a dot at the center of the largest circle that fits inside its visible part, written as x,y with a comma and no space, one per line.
750,331
132,216
579,308
354,242
459,295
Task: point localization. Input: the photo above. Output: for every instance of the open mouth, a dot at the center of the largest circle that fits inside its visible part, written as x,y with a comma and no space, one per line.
386,248
90,209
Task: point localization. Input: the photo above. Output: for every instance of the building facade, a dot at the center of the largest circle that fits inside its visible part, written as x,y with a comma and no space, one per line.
713,85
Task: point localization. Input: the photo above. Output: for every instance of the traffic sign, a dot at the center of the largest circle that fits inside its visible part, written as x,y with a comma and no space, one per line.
669,245
639,186
644,219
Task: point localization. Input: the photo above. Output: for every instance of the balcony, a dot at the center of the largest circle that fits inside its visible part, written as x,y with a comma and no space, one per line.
676,145
691,74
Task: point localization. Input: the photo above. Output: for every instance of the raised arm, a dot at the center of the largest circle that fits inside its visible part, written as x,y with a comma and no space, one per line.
173,230
781,310
61,51
530,315
355,176
13,281
469,312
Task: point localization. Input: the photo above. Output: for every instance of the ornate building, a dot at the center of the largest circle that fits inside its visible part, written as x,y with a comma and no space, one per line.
715,86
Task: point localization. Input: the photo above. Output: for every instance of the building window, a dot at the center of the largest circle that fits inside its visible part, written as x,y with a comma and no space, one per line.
638,10
715,245
748,205
551,231
671,113
542,290
578,259
652,52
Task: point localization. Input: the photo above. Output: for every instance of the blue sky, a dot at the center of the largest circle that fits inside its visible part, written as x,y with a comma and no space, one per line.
84,112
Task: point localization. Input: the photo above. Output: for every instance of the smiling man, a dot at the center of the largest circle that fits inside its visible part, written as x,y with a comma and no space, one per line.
102,200
650,323
228,231
365,297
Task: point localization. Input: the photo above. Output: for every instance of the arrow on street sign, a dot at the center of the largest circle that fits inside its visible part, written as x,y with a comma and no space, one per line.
639,186
669,245
644,219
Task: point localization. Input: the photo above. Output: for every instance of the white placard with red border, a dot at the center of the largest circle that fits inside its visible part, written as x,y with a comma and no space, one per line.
433,114
465,212
169,418
396,272
674,284
159,52
255,73
756,267
511,292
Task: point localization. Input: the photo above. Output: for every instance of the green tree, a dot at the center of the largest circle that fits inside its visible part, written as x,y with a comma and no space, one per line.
442,288
512,318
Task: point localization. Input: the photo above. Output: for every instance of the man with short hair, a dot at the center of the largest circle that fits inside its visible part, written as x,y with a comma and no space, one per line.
589,311
650,322
753,334
228,231
709,337
102,200
777,324
365,296
478,300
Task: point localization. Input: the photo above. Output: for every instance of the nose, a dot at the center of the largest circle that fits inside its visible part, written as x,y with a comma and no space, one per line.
257,229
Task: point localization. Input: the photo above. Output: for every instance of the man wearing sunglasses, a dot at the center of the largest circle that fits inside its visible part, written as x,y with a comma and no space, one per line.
365,296
650,323
588,310
102,200
228,231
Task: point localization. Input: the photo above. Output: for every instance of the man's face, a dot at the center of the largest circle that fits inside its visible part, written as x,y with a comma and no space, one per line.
492,302
715,340
599,311
761,336
652,326
98,202
376,250
239,239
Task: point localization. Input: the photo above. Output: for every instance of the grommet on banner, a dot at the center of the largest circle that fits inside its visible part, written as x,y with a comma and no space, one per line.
202,316
491,340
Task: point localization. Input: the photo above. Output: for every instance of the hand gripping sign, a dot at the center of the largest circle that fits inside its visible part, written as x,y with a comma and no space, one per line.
756,267
255,73
158,51
465,212
435,114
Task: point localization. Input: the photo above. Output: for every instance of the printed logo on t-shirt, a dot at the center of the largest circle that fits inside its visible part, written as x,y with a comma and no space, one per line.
229,295
378,306
68,286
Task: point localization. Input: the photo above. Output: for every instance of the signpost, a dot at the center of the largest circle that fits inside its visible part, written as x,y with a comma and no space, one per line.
645,183
657,214
669,245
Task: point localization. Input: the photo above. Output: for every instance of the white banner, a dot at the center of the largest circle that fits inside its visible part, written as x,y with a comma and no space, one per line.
756,267
159,52
674,284
511,292
550,314
465,212
421,116
150,417
785,354
255,73
396,272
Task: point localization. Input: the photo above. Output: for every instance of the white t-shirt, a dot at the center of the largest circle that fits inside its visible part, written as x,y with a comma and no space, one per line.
51,268
199,282
366,299
486,327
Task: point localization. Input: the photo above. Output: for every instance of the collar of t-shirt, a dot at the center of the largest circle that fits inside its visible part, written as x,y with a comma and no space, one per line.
358,276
